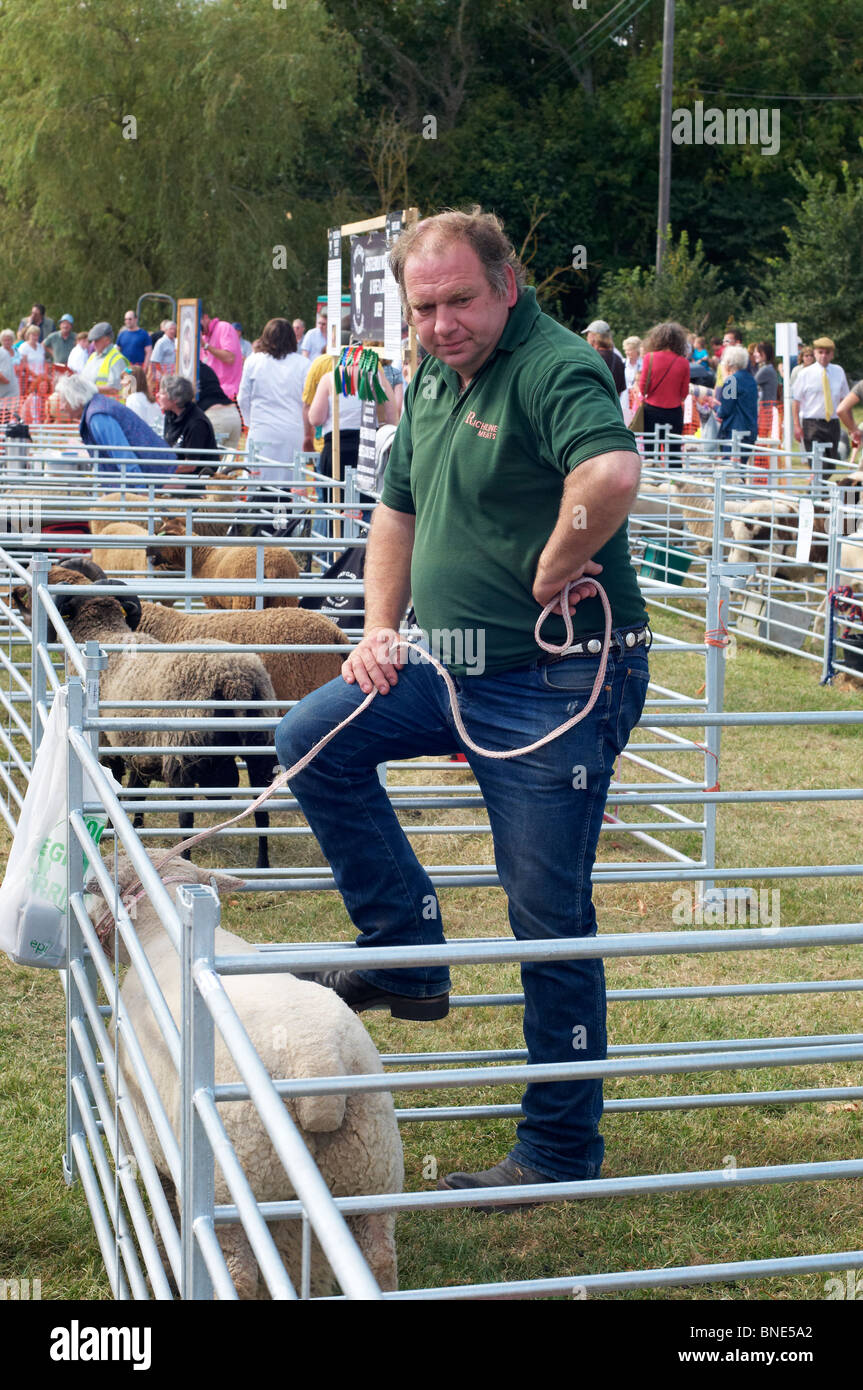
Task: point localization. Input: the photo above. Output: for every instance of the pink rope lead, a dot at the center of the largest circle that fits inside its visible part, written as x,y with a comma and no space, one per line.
283,777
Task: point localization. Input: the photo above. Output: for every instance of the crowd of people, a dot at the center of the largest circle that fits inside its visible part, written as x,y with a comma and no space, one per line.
280,386
132,406
731,383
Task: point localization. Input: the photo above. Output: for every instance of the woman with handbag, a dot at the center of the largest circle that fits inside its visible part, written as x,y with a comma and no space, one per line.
664,383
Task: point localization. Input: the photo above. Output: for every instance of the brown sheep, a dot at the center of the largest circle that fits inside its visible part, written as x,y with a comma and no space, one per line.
117,558
235,562
118,503
294,674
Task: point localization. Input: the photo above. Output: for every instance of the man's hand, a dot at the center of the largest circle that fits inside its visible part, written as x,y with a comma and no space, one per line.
798,434
376,661
546,589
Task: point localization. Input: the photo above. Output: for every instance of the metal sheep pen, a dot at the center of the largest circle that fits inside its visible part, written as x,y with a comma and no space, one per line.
671,723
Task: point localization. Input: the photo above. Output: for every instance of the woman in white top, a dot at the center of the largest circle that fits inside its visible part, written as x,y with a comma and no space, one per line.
271,401
136,396
32,352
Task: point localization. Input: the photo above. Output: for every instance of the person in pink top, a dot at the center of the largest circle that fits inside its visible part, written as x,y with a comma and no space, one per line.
221,350
664,382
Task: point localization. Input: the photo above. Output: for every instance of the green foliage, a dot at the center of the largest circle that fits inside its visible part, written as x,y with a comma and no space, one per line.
688,290
819,281
180,141
258,127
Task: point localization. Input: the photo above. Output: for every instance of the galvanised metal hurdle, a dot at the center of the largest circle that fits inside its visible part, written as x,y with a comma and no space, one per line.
776,599
431,1071
683,1057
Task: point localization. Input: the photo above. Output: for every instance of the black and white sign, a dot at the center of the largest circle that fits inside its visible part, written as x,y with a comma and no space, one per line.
366,470
334,290
368,285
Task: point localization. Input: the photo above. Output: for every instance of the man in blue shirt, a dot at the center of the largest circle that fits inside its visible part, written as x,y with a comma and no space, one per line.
114,435
134,342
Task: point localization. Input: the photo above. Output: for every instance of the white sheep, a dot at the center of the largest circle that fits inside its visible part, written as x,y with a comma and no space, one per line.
769,526
299,1029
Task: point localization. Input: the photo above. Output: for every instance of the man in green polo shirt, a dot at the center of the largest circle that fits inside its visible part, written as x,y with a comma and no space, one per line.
511,475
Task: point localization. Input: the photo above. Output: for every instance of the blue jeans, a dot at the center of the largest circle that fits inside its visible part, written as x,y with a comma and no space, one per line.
545,812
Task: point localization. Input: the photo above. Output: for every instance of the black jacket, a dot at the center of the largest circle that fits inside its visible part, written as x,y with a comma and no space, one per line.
189,432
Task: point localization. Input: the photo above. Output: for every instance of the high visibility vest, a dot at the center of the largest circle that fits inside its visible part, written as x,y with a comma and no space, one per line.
106,364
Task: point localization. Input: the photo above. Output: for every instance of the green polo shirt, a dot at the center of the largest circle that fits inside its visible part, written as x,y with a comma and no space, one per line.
483,471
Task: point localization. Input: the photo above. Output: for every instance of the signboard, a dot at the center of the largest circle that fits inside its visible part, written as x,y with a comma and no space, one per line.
786,340
393,326
188,339
786,348
368,263
334,291
366,470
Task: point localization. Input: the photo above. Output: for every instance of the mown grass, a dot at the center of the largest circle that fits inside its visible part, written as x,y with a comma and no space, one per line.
45,1231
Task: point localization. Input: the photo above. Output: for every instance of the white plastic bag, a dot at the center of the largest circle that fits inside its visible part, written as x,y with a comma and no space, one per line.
33,901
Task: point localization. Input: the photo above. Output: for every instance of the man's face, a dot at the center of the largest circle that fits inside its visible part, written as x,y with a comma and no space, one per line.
322,323
65,328
205,322
730,341
456,313
130,321
166,405
36,314
593,339
171,330
299,328
823,356
100,344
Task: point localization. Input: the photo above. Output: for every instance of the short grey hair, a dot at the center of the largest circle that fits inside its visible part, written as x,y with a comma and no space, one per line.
7,333
76,391
735,358
178,389
482,231
631,343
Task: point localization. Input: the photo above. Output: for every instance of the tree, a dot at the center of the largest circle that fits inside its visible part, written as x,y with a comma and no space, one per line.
819,282
688,290
188,148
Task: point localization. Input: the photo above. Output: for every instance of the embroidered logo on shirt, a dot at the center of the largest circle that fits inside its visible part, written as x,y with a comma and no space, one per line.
484,430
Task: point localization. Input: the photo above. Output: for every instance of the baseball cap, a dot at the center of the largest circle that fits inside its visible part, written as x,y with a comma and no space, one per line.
100,330
598,326
824,342
66,318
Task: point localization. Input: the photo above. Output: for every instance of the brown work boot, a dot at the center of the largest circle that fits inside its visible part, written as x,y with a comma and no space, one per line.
507,1173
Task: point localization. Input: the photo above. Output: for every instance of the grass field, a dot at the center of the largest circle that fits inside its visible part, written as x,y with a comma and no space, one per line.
45,1228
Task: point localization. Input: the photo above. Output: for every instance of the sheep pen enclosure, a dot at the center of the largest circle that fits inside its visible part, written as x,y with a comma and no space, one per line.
724,1168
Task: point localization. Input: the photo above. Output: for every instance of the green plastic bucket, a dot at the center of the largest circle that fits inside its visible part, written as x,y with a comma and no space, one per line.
666,566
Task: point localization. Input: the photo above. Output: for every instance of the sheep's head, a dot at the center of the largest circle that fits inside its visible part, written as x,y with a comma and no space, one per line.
62,573
168,557
69,606
173,874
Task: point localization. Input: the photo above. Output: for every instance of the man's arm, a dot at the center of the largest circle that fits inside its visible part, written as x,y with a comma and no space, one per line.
597,498
387,586
222,354
105,430
845,411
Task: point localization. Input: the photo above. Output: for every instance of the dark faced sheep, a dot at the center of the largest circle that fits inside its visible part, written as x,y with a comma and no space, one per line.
294,674
133,674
